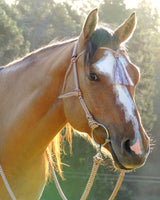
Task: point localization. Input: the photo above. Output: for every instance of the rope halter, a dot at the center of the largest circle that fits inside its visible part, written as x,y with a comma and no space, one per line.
93,124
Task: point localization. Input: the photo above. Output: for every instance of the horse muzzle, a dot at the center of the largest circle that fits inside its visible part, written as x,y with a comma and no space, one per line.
127,154
126,157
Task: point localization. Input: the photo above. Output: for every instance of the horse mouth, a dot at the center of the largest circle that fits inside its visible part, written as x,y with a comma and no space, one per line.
117,163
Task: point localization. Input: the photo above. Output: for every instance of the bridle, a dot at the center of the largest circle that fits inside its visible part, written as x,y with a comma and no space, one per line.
93,124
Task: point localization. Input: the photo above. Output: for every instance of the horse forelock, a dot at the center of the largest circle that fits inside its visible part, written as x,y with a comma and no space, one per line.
100,38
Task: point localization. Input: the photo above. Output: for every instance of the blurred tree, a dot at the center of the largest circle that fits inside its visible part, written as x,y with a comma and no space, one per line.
43,21
12,42
142,50
113,12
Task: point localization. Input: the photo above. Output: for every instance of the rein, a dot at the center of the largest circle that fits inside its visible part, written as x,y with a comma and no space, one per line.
92,124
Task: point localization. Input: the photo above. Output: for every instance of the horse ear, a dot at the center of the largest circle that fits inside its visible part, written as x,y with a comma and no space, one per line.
88,28
125,30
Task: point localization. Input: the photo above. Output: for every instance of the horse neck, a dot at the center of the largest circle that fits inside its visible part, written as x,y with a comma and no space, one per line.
33,112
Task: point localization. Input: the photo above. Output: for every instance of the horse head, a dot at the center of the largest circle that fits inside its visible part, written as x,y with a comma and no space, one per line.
107,80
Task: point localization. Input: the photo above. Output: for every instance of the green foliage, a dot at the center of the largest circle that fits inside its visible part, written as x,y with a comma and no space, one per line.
43,21
113,12
12,42
142,50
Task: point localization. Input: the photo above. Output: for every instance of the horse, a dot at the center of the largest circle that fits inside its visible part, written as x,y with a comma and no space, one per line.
39,96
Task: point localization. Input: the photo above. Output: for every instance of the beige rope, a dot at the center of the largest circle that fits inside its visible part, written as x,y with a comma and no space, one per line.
75,92
55,177
97,160
118,184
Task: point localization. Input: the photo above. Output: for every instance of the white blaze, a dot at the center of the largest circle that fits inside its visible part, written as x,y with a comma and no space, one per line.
124,99
106,66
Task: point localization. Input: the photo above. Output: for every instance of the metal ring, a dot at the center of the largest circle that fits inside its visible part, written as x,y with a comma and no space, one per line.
107,140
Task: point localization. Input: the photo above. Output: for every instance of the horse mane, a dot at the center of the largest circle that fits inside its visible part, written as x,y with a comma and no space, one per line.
31,57
57,148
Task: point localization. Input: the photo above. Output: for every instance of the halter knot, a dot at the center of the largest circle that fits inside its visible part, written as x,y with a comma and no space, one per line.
79,94
98,158
92,123
115,54
73,59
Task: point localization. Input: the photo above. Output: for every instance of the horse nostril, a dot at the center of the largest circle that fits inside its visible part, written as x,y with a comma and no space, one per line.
126,147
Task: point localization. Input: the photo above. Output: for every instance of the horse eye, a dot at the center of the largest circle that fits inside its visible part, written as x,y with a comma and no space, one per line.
93,77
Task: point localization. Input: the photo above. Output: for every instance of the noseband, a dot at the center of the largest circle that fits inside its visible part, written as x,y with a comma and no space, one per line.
93,124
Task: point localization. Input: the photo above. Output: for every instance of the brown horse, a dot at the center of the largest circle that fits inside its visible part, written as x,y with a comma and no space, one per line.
31,112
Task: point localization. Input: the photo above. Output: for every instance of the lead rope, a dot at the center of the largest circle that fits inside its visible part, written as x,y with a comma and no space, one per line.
97,161
55,177
118,185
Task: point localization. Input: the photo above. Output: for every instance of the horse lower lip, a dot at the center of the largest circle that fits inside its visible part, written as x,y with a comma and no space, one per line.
118,164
